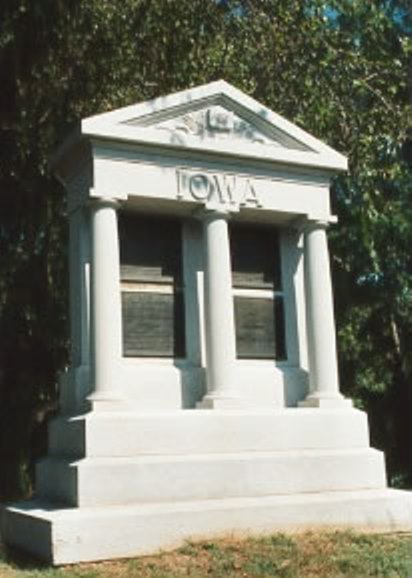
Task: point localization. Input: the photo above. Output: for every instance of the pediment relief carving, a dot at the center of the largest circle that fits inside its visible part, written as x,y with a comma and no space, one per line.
219,123
216,122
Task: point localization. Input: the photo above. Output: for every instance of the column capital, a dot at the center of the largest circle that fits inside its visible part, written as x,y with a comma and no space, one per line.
315,225
307,225
96,202
206,214
83,198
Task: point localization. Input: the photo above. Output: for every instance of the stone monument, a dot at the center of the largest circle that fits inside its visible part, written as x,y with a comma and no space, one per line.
203,394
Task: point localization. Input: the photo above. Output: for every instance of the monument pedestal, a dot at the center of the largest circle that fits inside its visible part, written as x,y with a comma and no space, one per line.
117,485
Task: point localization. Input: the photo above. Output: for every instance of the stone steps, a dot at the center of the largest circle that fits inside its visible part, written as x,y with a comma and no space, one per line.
67,536
120,481
193,431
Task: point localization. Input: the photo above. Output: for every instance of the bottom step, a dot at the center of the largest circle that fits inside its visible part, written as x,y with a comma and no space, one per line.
73,535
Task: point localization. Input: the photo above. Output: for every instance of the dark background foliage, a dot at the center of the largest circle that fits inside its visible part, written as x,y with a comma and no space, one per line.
340,69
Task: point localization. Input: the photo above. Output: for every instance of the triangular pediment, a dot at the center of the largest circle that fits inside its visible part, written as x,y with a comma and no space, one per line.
220,120
215,118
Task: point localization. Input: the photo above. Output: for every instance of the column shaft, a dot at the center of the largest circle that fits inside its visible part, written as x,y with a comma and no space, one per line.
106,314
220,338
321,333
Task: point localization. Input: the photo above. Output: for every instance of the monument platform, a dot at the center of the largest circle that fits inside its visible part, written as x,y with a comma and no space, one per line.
66,536
117,486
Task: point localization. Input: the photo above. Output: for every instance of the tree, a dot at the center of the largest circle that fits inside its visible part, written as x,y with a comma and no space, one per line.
337,68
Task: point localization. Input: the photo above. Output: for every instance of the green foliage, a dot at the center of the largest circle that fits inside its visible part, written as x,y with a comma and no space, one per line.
337,68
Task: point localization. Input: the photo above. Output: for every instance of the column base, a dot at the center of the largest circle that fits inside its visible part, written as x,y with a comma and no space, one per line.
106,401
314,400
221,402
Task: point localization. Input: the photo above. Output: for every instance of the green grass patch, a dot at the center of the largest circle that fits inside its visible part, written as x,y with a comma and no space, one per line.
309,555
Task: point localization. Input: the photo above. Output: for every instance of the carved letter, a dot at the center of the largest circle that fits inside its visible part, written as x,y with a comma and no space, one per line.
200,187
226,188
249,196
182,185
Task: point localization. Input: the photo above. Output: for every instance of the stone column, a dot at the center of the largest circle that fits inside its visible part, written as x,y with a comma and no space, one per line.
106,313
321,333
220,338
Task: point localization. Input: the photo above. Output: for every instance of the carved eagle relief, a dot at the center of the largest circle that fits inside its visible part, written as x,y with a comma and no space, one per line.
216,122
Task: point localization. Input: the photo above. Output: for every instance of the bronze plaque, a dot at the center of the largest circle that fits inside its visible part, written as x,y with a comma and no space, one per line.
260,332
153,324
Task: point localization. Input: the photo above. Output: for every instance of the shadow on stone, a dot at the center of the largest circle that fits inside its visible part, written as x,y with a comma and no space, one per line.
20,560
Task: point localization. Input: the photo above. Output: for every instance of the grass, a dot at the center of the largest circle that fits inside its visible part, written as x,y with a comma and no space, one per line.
309,555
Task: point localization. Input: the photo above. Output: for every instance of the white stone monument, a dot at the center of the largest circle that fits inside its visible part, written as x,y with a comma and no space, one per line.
203,395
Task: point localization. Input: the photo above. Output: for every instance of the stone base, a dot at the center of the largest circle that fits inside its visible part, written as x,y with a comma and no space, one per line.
217,402
326,402
67,536
120,483
106,402
187,432
101,482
